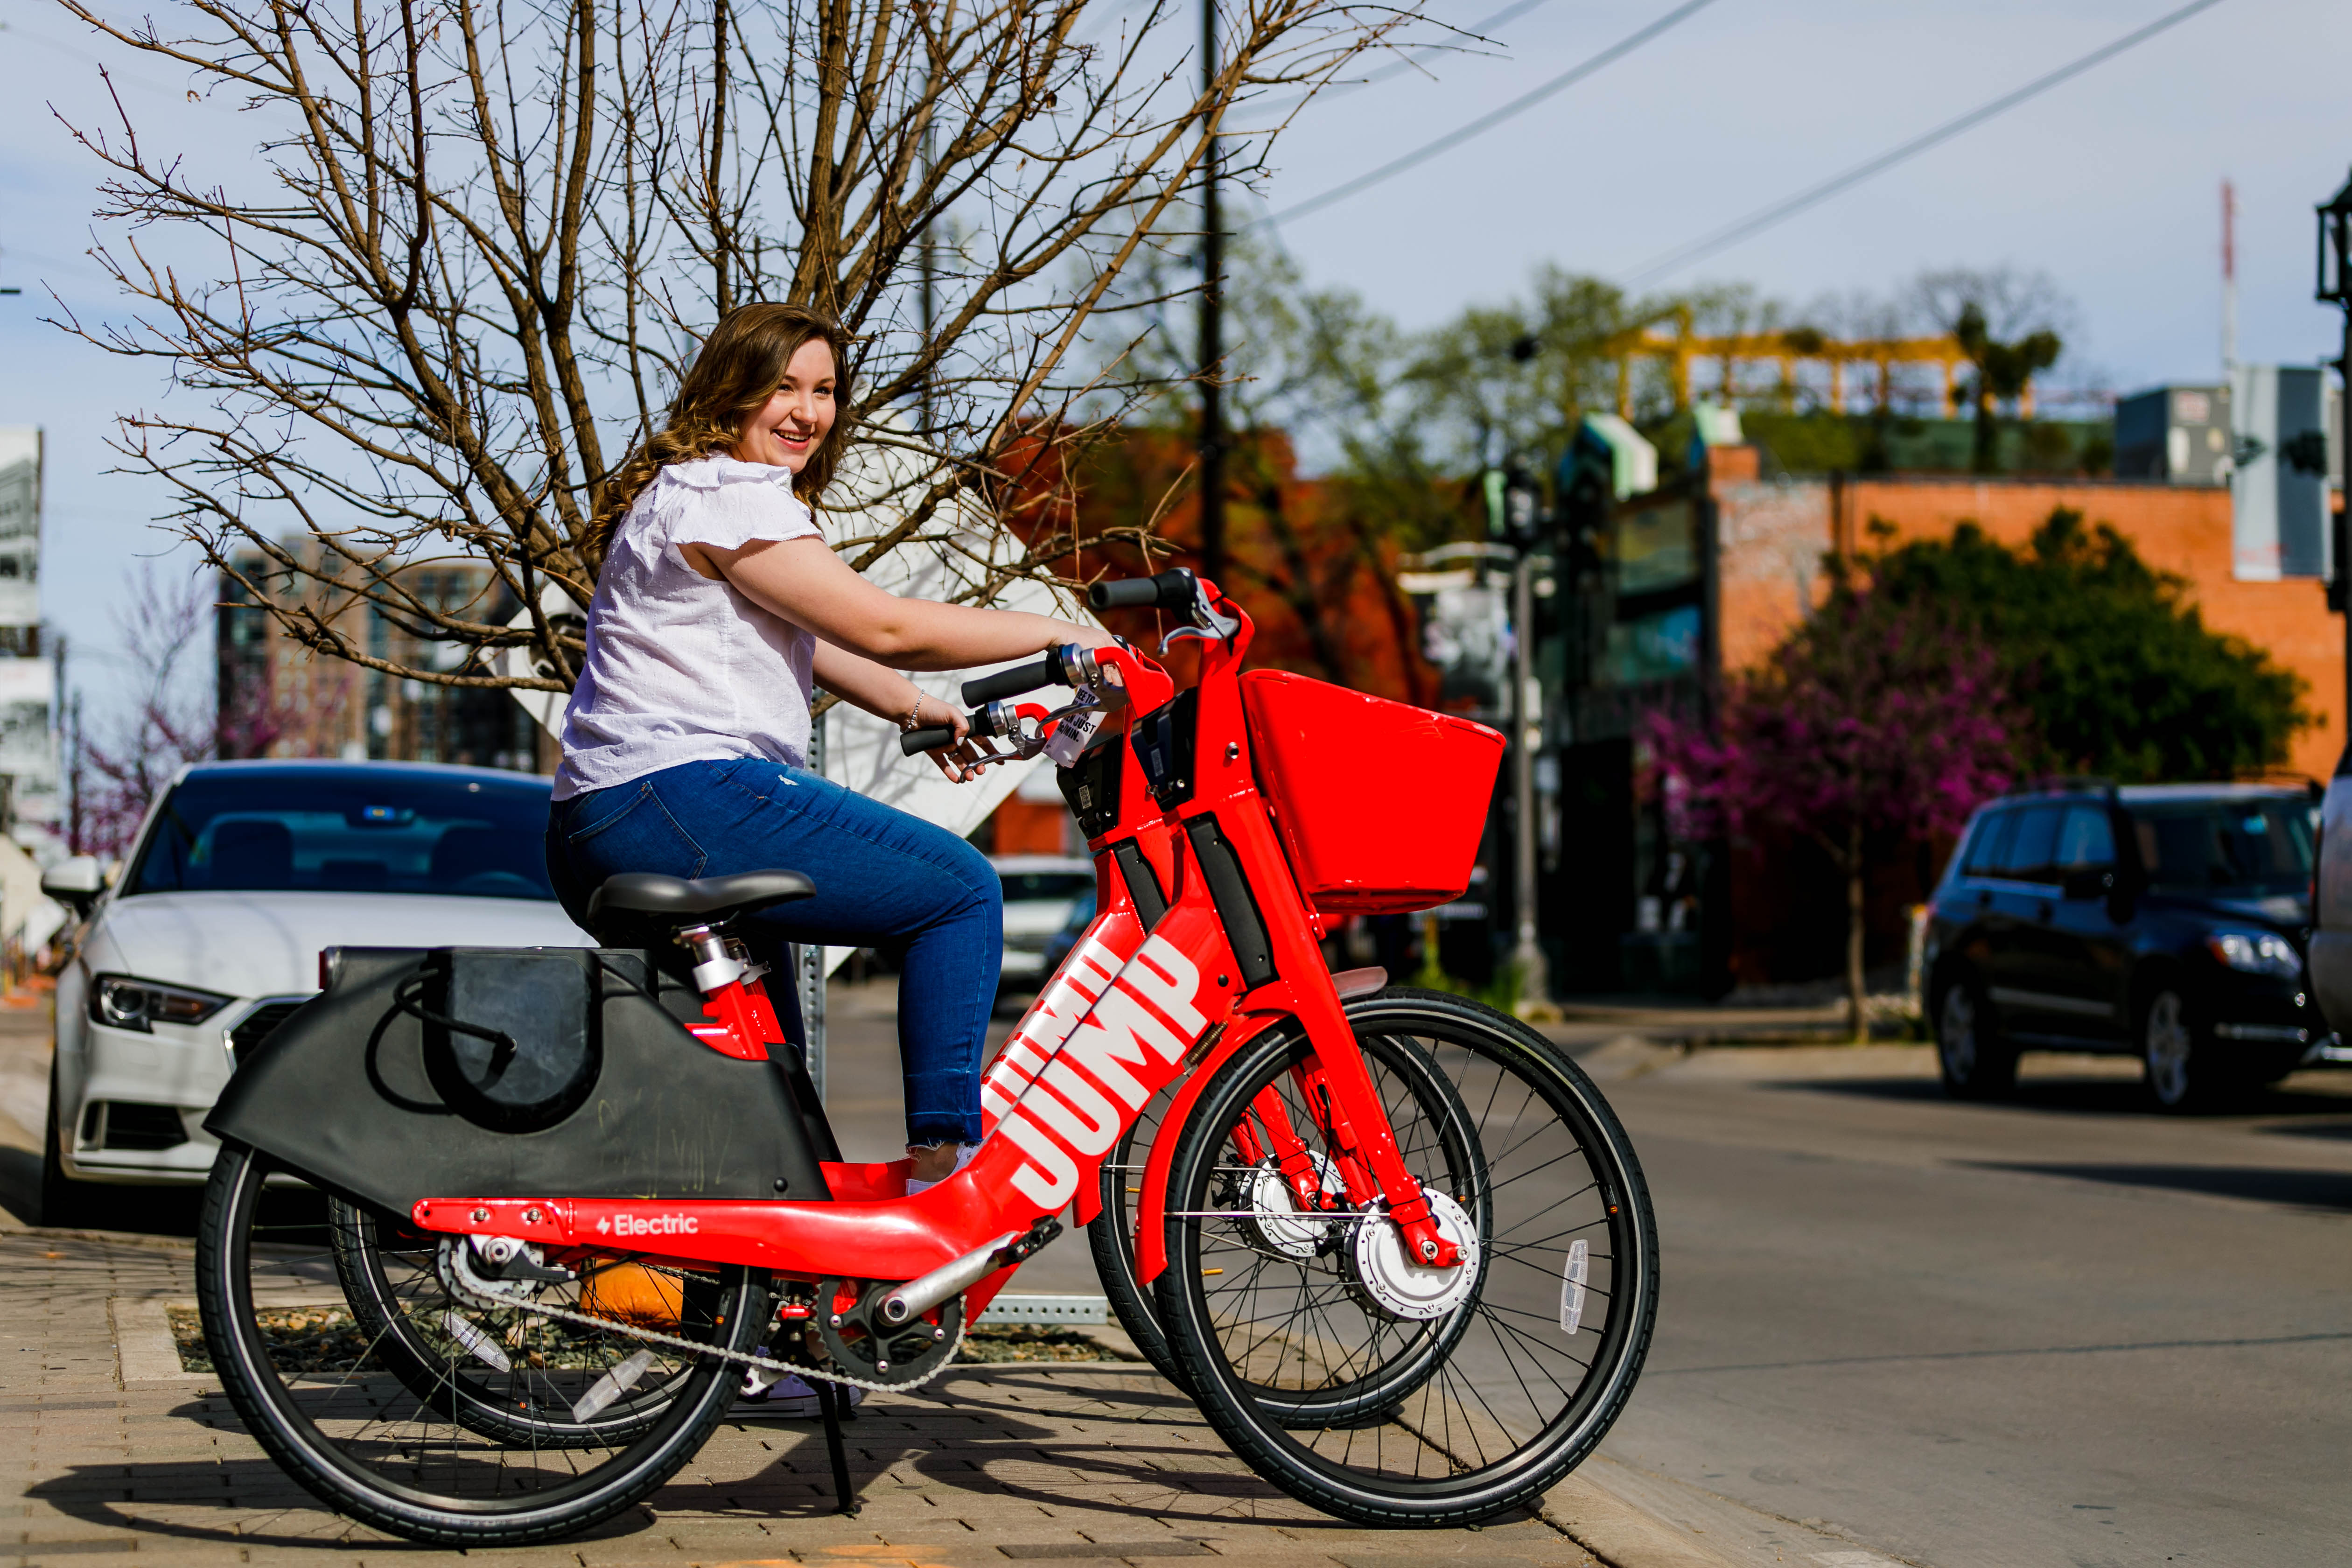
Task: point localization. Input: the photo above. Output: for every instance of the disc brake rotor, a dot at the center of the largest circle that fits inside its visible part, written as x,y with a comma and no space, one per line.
1390,1279
1275,1212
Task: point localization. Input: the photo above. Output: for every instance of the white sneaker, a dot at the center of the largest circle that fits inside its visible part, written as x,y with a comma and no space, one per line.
964,1152
787,1397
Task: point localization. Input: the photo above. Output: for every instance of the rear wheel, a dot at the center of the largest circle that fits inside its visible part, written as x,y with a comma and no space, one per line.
1110,1236
320,1394
1976,1063
1519,1366
448,1352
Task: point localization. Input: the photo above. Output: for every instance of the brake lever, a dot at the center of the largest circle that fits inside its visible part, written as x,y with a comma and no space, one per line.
1208,623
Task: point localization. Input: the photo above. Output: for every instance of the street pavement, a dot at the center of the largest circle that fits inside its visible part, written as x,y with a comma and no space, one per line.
2062,1331
1895,1328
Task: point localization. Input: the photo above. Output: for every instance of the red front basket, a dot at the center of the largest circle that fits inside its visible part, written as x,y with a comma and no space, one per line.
1381,805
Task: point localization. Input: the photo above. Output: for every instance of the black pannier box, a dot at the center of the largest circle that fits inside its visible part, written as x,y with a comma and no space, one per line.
519,1072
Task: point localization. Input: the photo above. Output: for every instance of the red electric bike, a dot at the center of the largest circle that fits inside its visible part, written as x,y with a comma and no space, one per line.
1393,1242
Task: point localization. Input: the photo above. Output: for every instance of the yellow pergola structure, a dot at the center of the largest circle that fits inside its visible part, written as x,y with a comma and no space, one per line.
1788,350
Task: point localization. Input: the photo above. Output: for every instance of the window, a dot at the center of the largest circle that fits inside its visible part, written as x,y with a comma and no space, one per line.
351,830
2086,841
2028,857
2258,845
1020,886
1986,845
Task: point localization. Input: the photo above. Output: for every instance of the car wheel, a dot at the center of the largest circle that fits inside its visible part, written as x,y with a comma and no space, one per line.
2176,1059
65,1203
1975,1061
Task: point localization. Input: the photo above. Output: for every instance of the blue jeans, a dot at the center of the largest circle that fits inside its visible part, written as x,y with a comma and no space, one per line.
883,879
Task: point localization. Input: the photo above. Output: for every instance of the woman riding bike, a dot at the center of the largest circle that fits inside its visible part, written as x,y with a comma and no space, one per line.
718,604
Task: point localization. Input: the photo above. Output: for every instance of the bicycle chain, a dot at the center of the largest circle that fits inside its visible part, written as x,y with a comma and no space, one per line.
766,1363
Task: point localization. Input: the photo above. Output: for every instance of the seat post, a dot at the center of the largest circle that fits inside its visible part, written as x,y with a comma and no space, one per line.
714,966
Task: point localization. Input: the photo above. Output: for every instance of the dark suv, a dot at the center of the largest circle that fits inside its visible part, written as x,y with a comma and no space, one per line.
2164,920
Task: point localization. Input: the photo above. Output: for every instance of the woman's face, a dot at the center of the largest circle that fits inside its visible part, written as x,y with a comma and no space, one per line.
798,414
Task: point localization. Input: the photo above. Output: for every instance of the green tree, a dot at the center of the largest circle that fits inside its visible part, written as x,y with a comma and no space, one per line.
2117,668
2008,323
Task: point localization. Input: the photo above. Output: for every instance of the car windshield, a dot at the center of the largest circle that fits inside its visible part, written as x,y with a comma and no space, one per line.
349,830
2261,846
1024,885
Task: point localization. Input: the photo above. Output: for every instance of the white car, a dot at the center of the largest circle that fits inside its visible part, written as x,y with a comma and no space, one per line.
1040,891
243,873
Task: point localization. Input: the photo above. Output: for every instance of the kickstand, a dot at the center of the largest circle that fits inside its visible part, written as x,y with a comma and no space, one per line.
831,1398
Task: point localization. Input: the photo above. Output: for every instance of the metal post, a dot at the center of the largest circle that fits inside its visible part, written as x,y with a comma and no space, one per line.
809,957
2340,523
1212,324
1534,982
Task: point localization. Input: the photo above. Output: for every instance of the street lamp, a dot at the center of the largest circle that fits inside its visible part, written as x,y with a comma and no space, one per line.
2335,288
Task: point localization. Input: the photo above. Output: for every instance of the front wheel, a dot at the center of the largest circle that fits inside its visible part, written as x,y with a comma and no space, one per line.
2176,1056
1519,1366
1974,1061
318,1387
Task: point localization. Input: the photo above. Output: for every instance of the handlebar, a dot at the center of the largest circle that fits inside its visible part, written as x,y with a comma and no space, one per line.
1020,677
1170,590
987,721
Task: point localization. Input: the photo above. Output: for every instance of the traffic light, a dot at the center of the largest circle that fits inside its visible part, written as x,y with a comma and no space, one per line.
1515,512
1586,483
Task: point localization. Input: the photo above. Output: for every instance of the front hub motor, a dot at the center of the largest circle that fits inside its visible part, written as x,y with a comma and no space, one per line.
1391,1280
1275,1212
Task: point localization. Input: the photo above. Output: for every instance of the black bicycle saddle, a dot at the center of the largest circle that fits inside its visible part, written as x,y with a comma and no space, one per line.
710,900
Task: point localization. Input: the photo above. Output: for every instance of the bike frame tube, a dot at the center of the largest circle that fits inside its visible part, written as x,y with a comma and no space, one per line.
1127,1012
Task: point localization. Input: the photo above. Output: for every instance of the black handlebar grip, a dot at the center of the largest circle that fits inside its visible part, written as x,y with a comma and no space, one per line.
1020,677
1170,590
914,743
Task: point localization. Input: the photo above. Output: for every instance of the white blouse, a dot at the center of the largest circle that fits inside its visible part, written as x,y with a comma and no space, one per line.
682,667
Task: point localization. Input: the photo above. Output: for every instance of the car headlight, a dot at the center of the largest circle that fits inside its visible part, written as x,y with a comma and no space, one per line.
127,1003
2255,953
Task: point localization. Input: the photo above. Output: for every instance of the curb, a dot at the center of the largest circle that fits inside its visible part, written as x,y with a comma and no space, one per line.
1620,1534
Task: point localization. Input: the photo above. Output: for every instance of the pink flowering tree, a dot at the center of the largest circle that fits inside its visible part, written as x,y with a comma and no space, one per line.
1872,726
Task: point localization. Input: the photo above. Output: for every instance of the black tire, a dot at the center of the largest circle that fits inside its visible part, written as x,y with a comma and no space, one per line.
2180,1067
364,1445
400,1305
1974,1060
65,1203
1398,1065
1110,1236
1507,1407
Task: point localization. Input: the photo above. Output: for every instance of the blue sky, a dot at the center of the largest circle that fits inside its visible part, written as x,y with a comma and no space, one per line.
2110,183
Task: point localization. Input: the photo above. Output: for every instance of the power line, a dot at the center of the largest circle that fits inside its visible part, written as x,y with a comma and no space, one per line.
1486,122
1763,218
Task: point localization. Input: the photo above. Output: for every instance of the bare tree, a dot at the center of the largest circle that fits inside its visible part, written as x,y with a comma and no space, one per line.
174,719
469,262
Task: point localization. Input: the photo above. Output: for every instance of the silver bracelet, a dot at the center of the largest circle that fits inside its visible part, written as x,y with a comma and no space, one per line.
913,721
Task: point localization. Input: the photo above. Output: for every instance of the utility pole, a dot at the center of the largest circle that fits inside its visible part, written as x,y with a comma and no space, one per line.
2229,282
1213,323
1526,953
2335,288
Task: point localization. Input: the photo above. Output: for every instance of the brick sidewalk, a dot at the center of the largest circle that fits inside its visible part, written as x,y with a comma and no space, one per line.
122,1454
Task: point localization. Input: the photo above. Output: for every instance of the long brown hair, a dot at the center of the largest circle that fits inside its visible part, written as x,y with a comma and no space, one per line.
741,365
